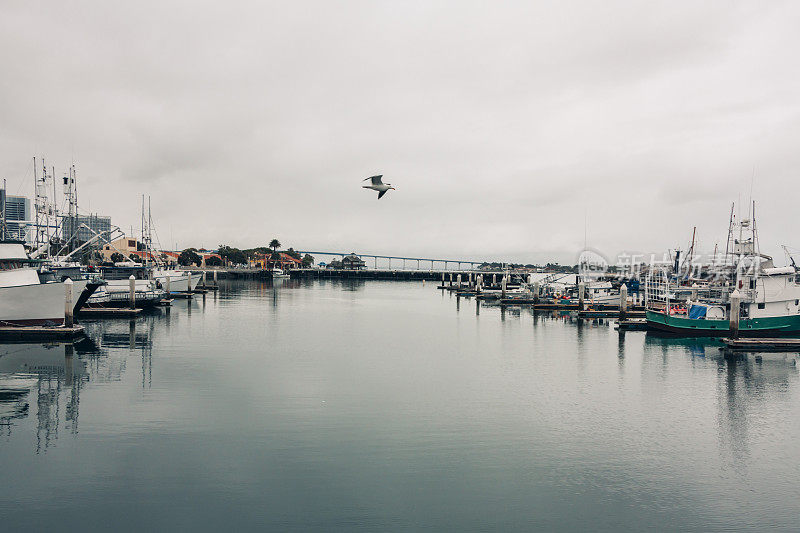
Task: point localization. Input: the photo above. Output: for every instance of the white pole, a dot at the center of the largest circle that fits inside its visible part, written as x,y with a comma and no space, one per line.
68,309
132,289
734,315
623,300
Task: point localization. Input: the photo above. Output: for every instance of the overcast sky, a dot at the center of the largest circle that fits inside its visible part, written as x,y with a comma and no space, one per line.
504,125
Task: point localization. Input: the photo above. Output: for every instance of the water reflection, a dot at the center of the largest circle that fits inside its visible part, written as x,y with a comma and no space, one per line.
41,372
46,379
693,346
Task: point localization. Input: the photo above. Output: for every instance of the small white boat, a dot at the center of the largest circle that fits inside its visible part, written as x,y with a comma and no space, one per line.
179,280
24,299
278,273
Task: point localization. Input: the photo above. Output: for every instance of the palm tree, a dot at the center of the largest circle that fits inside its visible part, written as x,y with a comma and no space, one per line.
275,244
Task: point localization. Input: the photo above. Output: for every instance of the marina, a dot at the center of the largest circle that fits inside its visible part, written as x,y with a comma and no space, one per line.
399,266
508,404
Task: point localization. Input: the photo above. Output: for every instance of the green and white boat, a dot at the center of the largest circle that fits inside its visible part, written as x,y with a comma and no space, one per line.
768,296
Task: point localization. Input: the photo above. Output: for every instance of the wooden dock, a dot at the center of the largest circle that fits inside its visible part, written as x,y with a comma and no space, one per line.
109,312
40,333
762,344
632,324
609,313
180,295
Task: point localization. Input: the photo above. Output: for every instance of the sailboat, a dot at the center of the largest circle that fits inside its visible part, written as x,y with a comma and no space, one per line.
180,281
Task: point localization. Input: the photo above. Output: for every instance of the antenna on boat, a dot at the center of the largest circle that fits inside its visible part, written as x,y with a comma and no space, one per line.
789,255
3,228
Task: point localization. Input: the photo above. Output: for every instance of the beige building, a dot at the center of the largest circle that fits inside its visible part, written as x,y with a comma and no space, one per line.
123,245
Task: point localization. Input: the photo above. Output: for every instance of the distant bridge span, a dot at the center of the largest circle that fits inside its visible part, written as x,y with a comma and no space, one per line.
419,260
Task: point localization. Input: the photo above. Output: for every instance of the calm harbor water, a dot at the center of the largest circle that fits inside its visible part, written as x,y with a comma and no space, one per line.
378,406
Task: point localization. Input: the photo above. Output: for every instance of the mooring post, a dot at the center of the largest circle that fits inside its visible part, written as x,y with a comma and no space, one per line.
623,301
132,291
458,282
734,313
451,279
581,293
215,278
189,281
494,280
503,288
204,279
536,292
167,286
469,278
68,309
442,279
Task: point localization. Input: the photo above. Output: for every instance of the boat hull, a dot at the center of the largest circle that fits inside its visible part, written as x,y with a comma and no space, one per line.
178,281
748,327
36,305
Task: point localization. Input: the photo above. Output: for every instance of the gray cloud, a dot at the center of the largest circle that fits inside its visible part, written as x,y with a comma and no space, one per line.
503,125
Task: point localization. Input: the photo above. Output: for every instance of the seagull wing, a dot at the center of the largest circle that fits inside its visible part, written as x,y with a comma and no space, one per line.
381,194
376,180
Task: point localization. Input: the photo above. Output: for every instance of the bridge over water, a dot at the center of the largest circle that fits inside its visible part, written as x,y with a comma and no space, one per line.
402,263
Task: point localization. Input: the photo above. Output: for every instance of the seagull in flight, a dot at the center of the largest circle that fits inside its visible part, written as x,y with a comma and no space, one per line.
378,185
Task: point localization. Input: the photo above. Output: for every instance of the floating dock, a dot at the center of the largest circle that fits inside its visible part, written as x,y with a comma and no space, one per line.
762,345
609,313
180,295
40,333
109,312
632,324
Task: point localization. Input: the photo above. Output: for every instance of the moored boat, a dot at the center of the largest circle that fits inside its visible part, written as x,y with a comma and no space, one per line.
27,300
768,297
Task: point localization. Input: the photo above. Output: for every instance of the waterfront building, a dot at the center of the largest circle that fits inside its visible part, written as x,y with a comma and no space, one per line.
85,227
283,261
353,262
123,245
18,214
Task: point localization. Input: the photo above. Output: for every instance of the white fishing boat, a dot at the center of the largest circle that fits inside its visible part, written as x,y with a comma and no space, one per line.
278,273
179,280
116,291
24,299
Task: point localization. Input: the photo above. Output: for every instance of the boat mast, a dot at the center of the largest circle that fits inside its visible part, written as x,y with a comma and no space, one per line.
730,233
3,228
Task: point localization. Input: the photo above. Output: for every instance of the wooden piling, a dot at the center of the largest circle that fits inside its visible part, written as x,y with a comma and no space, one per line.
69,319
132,291
735,313
581,294
623,301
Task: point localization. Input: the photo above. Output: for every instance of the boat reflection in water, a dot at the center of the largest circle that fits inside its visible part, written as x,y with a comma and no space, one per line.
41,374
45,380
